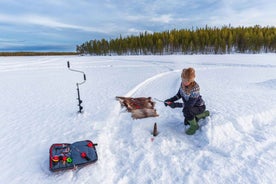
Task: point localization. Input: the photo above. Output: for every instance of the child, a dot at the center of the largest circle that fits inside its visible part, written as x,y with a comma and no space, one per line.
194,106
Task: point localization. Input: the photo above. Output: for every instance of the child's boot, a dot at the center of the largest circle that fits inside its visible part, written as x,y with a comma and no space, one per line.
193,127
202,115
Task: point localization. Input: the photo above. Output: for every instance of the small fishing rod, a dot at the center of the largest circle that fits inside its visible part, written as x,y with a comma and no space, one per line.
158,100
162,101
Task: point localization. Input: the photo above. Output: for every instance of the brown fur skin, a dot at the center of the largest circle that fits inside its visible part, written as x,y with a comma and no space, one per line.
136,103
143,113
140,107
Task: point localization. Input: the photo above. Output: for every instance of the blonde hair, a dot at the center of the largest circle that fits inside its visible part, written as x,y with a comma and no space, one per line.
188,74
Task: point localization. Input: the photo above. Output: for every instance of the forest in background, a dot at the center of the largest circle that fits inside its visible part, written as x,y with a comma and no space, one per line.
207,40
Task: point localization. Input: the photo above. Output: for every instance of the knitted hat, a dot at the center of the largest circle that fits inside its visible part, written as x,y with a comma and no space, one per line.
188,74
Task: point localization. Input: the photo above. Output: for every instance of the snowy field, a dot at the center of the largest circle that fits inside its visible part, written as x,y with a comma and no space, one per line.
236,144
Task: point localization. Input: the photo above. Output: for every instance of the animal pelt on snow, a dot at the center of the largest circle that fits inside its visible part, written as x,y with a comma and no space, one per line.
140,107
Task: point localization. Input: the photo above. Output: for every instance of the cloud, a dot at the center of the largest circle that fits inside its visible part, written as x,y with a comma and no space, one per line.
4,43
244,13
162,19
45,22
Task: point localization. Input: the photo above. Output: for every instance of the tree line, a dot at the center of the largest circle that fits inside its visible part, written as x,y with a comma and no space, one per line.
207,40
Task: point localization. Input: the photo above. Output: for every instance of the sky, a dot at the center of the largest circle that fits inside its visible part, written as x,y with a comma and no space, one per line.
60,25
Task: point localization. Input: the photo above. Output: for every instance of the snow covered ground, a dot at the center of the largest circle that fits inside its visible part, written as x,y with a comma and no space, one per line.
236,144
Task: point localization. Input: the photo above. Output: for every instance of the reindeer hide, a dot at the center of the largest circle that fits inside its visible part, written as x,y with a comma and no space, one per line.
141,107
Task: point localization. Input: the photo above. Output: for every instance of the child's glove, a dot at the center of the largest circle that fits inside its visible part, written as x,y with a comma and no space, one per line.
167,102
173,104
